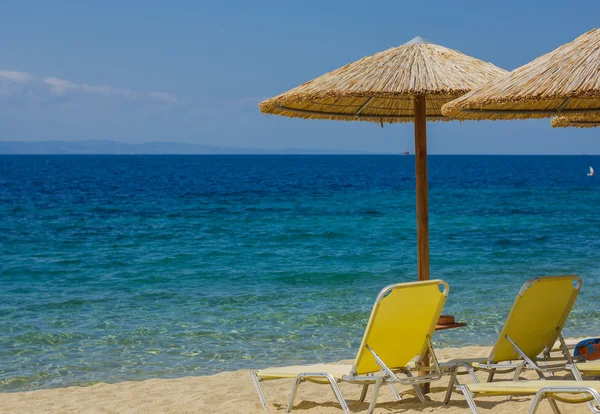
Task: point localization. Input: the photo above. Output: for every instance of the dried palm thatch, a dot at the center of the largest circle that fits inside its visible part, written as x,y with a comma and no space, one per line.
577,121
380,88
564,81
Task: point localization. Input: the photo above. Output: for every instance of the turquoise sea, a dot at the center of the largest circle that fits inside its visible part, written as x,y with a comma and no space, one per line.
132,267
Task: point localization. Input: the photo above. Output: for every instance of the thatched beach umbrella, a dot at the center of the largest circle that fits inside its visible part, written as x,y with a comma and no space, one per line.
565,81
576,121
409,83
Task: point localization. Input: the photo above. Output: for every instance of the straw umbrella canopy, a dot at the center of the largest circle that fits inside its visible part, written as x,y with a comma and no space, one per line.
576,121
409,83
565,81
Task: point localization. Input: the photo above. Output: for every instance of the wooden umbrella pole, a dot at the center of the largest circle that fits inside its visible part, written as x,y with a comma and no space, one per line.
422,206
421,175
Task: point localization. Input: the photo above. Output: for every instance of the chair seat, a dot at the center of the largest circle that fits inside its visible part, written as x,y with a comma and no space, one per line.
589,367
526,387
336,370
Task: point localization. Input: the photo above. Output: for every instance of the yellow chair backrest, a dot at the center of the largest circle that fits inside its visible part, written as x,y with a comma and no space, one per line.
403,318
537,316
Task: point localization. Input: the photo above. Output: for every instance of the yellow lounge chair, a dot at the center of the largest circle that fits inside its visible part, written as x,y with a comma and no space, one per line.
552,390
399,330
533,326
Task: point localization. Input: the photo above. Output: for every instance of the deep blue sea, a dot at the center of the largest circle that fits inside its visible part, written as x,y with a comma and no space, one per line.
132,267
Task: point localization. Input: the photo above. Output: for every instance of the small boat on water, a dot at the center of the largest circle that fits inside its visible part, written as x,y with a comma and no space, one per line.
591,173
406,153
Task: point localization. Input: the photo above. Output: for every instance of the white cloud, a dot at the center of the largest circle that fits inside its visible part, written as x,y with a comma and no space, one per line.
13,82
19,77
62,87
164,96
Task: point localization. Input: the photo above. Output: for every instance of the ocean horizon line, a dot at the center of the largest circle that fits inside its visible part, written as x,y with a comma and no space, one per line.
289,154
111,147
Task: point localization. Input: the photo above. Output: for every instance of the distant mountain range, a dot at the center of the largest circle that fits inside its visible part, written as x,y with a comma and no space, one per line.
115,147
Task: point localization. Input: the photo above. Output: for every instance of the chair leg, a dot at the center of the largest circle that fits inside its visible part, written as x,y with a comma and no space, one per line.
553,405
363,393
338,394
490,377
536,402
419,392
378,383
550,391
336,390
261,397
469,398
517,372
451,383
594,408
395,392
471,372
299,379
539,396
417,388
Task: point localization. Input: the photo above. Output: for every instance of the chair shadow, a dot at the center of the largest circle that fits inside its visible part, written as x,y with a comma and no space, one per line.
409,398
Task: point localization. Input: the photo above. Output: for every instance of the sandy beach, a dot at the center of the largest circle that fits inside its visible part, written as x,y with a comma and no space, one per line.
233,392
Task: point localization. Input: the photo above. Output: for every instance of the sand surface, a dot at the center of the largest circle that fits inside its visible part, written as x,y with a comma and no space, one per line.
233,392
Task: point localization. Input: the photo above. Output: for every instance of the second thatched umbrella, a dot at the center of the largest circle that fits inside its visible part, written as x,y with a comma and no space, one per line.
409,83
577,121
565,81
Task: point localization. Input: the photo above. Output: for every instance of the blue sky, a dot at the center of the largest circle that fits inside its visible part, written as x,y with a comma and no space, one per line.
194,71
